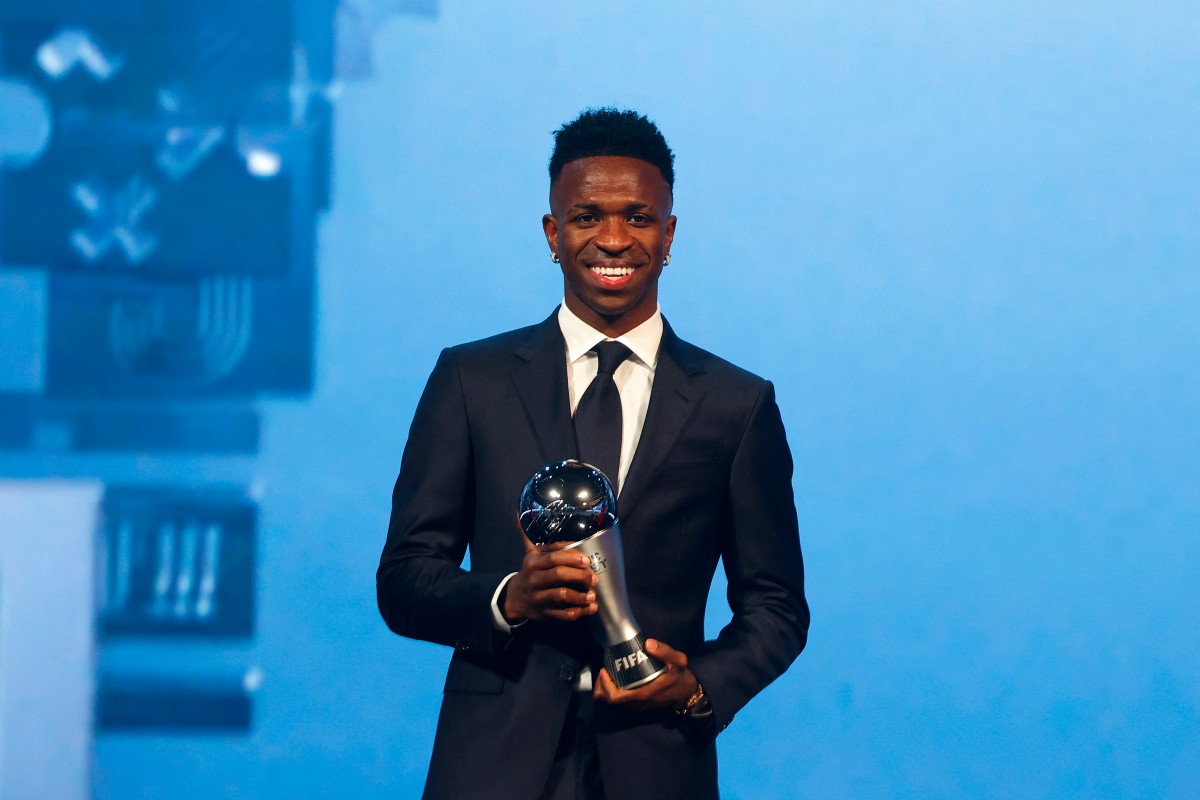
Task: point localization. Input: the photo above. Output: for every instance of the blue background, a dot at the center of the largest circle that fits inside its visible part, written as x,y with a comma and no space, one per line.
962,240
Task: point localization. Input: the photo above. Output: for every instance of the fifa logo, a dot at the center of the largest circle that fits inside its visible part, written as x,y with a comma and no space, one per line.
632,660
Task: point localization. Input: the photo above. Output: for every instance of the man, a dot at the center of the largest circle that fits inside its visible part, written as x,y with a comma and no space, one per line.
696,449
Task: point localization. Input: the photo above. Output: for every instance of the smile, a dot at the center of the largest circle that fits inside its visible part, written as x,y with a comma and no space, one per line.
612,272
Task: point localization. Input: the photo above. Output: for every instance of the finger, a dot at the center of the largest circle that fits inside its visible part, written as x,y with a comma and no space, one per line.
668,655
529,547
604,688
556,577
662,692
549,576
565,558
562,597
563,614
618,696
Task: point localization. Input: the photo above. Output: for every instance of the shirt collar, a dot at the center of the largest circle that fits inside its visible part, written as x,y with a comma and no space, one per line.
581,337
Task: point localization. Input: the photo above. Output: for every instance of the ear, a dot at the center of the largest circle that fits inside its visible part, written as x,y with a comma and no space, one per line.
550,227
670,232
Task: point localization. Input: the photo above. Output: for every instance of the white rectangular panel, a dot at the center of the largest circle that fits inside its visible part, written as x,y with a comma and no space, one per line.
47,656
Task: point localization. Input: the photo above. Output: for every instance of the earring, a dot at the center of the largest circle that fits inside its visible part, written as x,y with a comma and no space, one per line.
666,259
554,257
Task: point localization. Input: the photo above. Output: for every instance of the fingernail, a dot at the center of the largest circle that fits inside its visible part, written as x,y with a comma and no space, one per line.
591,597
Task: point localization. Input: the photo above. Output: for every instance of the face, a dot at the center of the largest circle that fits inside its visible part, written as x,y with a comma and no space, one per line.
610,224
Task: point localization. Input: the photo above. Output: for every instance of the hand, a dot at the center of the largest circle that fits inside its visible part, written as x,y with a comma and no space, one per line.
672,689
553,584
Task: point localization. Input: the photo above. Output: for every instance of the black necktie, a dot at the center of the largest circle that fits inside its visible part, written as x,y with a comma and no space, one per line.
598,415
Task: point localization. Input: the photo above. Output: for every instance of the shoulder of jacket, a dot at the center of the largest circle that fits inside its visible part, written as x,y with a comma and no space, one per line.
488,348
718,369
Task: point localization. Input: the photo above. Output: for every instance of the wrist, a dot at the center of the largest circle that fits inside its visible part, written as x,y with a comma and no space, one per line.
511,615
502,614
696,704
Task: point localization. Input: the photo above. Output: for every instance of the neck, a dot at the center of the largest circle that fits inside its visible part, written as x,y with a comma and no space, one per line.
610,326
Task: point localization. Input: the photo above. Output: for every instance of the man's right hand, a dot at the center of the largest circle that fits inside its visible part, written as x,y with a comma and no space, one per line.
552,584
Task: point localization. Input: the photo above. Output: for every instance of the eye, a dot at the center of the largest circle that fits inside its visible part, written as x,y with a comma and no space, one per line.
639,219
585,219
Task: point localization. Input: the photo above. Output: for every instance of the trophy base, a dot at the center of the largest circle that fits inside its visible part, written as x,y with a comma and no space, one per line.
630,665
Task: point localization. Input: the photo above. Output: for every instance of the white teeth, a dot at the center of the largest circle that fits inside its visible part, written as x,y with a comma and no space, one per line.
613,272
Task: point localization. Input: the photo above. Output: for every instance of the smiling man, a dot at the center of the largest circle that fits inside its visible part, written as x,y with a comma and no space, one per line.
611,227
696,449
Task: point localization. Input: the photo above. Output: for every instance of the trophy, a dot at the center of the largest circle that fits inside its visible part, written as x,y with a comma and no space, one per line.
570,501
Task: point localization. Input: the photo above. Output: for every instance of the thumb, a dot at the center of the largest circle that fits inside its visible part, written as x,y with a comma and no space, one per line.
667,654
528,544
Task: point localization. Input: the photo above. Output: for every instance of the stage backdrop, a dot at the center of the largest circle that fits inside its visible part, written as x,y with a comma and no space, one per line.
962,240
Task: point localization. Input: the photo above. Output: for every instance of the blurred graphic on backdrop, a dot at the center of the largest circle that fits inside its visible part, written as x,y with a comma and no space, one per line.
164,164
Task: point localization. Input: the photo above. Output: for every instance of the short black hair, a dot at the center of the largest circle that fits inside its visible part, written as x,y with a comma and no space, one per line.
612,132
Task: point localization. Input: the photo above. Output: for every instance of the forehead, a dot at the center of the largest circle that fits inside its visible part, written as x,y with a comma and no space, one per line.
611,178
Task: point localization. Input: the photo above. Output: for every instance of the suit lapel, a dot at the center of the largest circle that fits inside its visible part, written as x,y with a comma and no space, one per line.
673,399
540,378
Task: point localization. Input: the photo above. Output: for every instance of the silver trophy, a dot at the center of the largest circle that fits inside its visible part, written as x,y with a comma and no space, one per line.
570,501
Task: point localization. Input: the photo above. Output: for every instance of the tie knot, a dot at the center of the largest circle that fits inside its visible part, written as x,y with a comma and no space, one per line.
611,355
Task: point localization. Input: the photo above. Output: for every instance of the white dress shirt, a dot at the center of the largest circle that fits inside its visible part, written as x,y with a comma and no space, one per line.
634,379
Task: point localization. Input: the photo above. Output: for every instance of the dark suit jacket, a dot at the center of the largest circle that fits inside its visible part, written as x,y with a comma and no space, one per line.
711,479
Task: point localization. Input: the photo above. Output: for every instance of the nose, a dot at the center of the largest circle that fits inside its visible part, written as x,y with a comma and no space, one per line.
613,237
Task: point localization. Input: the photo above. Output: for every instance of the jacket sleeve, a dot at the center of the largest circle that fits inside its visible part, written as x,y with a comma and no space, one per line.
421,588
760,550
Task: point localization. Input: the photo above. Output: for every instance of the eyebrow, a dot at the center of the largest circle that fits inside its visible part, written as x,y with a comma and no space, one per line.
595,207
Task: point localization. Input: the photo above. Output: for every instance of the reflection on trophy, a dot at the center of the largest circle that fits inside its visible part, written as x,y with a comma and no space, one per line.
570,501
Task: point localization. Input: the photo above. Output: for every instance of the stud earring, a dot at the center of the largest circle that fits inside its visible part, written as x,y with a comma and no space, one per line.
666,259
554,257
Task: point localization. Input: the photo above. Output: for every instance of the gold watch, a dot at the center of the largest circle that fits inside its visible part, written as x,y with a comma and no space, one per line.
696,700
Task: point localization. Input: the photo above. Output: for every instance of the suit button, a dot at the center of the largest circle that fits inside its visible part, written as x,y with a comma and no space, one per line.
566,673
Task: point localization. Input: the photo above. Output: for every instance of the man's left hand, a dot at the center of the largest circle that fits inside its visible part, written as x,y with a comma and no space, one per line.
672,689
